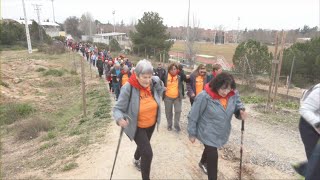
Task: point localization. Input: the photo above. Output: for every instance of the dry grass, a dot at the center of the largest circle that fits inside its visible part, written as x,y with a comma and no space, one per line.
11,112
30,128
64,133
225,50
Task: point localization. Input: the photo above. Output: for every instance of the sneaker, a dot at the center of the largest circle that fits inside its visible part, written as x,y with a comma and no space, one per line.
178,129
137,164
169,128
300,168
203,167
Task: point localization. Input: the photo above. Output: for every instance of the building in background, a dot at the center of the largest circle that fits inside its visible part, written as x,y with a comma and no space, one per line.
51,28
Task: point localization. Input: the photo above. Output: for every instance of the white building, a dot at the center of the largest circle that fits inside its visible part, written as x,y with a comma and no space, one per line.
51,28
106,37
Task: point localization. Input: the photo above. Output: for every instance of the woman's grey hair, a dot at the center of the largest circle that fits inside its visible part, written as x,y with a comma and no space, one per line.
143,67
125,67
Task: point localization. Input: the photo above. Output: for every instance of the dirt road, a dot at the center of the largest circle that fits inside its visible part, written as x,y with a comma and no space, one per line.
269,151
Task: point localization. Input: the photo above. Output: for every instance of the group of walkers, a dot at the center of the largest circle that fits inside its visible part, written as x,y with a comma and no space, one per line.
213,97
117,70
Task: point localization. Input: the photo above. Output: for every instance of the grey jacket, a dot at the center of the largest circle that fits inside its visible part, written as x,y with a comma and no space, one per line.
132,109
310,106
209,122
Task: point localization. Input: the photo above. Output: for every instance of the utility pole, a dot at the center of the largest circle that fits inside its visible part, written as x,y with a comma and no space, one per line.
273,72
237,40
188,34
114,23
188,23
54,20
27,28
283,37
37,9
90,30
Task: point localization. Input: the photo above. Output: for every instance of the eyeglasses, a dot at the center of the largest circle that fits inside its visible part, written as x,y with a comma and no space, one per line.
226,90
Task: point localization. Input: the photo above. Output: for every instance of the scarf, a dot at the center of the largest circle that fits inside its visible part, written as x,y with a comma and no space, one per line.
173,76
135,83
123,72
215,95
214,74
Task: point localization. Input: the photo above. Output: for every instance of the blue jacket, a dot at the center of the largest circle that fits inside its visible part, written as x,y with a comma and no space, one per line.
209,122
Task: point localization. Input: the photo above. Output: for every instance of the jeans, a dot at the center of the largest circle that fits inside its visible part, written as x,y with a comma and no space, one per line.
309,136
116,89
144,150
313,167
169,104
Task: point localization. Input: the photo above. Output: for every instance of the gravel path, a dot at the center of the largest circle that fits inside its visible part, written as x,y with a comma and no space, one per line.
268,152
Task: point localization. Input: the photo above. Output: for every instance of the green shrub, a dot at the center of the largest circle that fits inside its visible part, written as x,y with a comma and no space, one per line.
54,72
9,113
41,69
289,105
73,72
253,99
70,166
51,84
50,135
48,145
4,84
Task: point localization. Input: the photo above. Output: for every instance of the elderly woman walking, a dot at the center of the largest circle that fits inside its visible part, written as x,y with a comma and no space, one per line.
173,96
140,99
209,119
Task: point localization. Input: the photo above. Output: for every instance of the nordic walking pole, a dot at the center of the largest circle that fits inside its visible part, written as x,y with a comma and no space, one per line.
118,147
241,147
126,117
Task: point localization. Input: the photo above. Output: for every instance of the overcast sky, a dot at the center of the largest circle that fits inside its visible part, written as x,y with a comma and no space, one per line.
254,14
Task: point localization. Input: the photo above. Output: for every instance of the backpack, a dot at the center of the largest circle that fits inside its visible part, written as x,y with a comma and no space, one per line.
306,93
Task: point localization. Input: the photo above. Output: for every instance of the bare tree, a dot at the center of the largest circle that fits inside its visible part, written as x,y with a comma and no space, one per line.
194,34
87,25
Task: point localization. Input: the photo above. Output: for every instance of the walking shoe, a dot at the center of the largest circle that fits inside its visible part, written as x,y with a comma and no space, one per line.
300,168
137,164
178,129
203,167
169,128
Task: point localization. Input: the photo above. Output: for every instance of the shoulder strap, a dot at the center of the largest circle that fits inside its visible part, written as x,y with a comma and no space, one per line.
129,97
152,87
306,93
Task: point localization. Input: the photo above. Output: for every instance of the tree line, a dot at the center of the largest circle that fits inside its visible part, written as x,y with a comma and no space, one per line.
12,33
254,57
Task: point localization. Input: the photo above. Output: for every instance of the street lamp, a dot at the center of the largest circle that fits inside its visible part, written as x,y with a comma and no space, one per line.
114,24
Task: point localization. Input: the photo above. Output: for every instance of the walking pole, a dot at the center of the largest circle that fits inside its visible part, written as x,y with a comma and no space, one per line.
126,117
241,147
115,158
